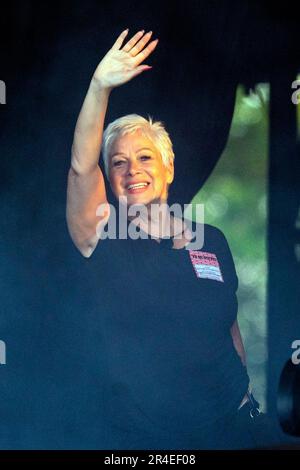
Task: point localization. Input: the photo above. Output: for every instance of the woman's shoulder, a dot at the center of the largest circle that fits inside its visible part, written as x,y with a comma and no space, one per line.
207,234
213,231
214,236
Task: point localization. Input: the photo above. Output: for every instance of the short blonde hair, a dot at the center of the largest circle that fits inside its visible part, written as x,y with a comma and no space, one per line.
155,131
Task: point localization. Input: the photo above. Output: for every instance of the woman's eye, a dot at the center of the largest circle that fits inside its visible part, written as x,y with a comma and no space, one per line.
118,162
145,157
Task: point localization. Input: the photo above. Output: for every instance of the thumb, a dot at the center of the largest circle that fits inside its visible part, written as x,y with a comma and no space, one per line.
140,69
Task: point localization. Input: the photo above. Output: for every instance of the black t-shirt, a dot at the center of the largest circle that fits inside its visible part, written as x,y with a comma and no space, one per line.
162,319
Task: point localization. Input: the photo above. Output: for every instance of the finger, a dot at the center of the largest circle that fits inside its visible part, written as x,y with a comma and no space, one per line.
140,69
146,52
120,39
141,44
133,41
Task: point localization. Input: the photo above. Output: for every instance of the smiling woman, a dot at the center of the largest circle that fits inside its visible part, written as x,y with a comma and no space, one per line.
176,373
136,168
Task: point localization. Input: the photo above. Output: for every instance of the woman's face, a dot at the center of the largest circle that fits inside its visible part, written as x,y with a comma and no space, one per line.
136,170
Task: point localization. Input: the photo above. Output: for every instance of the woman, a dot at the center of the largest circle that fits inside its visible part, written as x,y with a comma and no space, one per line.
176,374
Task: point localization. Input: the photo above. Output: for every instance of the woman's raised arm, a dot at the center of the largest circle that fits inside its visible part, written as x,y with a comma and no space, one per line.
86,188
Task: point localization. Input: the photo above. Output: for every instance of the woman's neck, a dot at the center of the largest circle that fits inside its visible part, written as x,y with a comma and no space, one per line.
158,222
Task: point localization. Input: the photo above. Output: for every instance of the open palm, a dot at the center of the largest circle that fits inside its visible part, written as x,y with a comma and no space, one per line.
121,64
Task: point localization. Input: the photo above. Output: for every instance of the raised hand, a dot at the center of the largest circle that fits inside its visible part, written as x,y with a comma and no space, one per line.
121,64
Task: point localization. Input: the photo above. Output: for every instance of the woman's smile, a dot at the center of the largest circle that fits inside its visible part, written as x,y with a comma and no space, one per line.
134,188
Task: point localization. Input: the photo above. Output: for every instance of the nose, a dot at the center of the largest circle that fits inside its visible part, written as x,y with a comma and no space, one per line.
133,167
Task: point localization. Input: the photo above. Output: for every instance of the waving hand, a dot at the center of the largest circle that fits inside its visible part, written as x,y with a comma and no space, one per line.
121,64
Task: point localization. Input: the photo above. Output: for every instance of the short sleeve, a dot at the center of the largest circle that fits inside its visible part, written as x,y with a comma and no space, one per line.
226,259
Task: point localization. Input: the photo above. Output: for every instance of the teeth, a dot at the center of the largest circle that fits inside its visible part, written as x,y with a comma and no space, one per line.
138,185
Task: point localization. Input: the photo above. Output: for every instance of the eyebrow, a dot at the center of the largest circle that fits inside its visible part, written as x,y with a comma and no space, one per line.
139,150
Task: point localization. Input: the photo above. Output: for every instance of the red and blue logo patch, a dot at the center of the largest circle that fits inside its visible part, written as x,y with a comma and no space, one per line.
206,265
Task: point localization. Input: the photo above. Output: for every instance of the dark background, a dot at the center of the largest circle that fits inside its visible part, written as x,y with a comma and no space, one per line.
49,52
